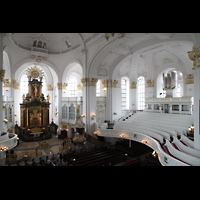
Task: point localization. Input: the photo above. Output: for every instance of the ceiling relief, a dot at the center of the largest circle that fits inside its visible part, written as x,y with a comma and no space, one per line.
102,72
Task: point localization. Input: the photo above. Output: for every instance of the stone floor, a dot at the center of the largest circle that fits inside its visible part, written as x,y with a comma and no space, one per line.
53,147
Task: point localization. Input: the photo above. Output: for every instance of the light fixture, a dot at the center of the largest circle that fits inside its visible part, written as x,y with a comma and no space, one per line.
154,154
68,43
83,115
122,135
144,141
92,116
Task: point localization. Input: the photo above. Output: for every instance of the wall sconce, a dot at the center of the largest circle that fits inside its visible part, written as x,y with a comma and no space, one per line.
83,115
56,112
15,114
104,89
92,116
114,113
5,120
7,89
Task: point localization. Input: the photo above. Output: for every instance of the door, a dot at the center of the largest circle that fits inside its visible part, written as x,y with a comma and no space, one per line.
166,108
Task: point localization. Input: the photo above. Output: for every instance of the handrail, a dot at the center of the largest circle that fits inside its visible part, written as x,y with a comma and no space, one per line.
9,143
127,114
164,158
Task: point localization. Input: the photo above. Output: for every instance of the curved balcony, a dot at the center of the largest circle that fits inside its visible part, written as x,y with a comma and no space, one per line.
8,141
164,158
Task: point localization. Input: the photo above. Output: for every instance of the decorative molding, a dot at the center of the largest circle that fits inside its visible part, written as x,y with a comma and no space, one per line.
84,81
34,72
114,83
133,85
2,74
7,83
150,83
189,78
105,83
194,55
64,86
92,81
59,85
15,85
79,88
49,87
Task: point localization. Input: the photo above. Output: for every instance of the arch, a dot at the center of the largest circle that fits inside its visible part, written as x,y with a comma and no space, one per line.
49,73
6,65
29,60
69,68
162,69
158,44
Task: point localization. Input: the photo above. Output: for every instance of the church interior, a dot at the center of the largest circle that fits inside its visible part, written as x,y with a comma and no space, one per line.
99,99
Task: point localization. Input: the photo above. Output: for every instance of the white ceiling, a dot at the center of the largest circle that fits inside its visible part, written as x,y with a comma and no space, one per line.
56,41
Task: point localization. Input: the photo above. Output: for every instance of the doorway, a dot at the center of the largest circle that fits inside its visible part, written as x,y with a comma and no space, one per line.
166,108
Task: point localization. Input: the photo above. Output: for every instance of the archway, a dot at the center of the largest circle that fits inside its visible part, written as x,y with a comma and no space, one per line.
49,87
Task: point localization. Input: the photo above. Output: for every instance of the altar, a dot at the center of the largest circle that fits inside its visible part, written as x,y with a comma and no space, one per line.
34,109
36,134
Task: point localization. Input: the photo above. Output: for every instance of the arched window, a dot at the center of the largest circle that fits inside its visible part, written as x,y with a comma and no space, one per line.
141,93
72,86
24,85
124,94
98,88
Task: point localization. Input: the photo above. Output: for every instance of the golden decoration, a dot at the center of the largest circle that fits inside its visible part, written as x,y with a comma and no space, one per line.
150,83
194,55
2,74
133,85
35,72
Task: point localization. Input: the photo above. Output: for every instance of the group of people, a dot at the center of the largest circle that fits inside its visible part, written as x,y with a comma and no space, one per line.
56,160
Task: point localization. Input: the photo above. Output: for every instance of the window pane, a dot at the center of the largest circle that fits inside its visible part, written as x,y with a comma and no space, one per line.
141,93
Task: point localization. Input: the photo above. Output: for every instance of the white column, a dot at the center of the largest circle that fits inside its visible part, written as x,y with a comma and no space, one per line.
92,106
59,115
195,57
1,83
108,110
116,99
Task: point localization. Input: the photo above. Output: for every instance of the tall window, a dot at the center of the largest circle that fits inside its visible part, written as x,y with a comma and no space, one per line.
141,93
24,84
123,93
98,88
72,86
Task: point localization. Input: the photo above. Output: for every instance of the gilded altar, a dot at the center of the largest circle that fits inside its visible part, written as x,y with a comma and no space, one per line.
35,108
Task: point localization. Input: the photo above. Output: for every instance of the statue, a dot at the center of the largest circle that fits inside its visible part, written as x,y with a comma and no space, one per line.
48,97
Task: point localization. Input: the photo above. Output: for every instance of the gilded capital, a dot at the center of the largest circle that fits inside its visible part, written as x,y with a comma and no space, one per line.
2,74
105,83
59,85
84,81
189,78
79,88
92,81
15,85
194,56
133,85
114,83
49,87
7,83
64,86
150,83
